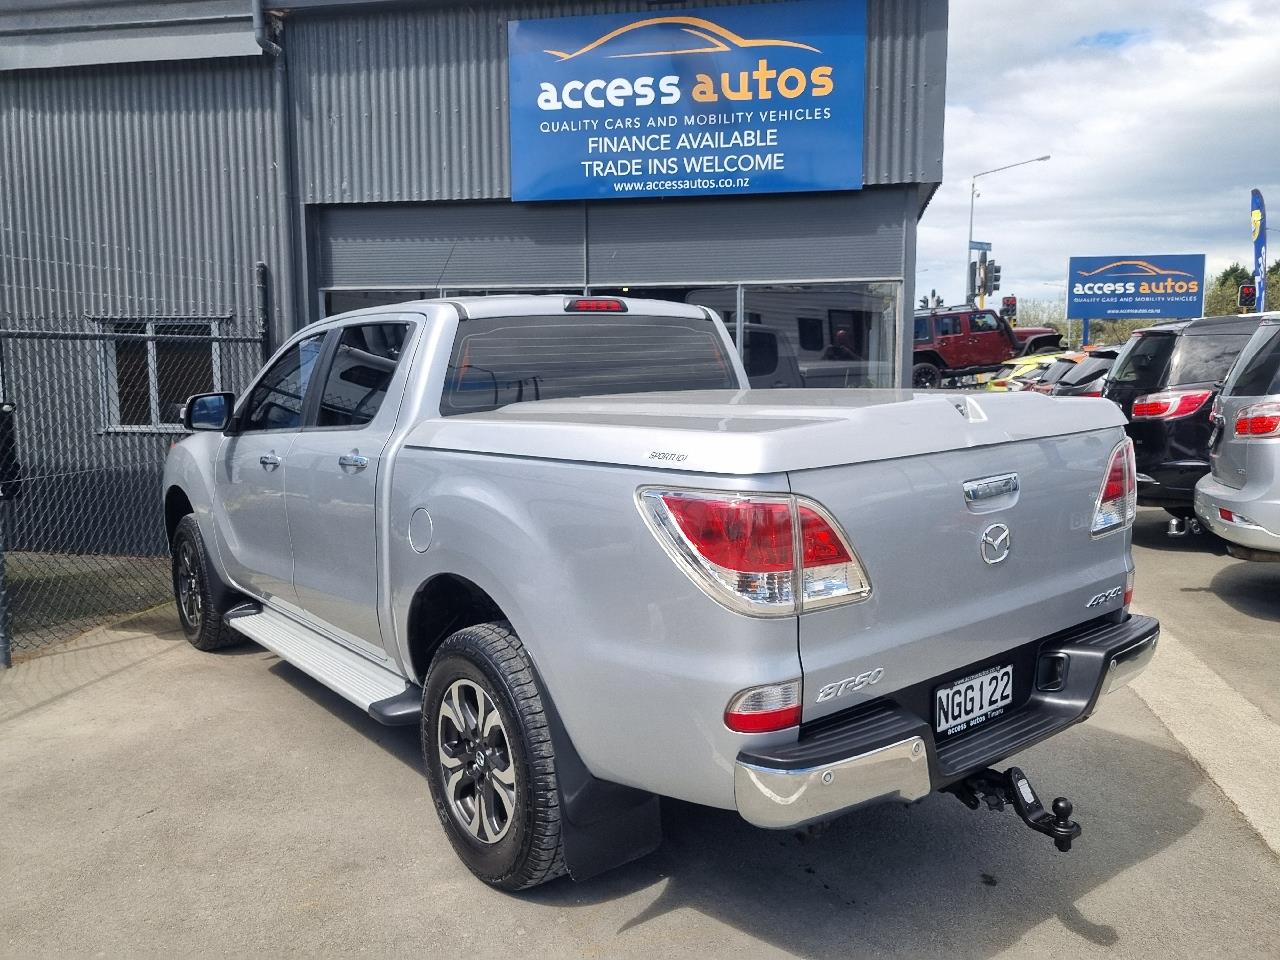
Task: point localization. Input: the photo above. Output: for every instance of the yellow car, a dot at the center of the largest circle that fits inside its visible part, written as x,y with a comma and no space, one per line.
1015,373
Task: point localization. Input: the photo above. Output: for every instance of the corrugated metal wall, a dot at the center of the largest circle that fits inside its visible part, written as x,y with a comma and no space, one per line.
137,191
412,104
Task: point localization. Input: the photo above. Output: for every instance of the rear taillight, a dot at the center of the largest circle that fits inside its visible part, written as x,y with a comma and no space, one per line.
1093,391
741,549
773,706
1169,405
1259,420
1118,498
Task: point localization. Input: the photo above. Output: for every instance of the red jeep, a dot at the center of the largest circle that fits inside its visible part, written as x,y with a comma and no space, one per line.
958,342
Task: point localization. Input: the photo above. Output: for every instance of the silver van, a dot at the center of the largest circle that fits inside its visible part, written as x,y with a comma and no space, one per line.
1239,499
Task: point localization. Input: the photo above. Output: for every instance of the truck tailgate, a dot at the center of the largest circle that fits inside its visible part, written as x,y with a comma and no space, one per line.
937,604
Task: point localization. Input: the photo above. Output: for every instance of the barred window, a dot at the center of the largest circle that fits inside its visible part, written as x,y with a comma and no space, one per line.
148,378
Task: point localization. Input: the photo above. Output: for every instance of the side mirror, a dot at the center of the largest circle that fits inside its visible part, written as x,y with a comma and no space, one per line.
208,411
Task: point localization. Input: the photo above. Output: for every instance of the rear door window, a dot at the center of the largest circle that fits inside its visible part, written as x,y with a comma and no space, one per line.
1144,361
950,325
497,361
1205,359
362,368
1259,372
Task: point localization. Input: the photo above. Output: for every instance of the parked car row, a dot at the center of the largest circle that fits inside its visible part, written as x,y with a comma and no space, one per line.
1203,402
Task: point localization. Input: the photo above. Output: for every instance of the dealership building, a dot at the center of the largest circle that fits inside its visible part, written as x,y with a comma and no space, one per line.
222,166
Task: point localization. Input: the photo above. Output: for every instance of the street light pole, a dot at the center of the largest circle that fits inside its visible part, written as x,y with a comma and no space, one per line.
973,195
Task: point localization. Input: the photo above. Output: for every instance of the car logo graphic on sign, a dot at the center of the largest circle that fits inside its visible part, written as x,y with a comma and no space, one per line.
995,543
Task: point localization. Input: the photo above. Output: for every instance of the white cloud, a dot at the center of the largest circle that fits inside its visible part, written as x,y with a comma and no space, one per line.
1159,117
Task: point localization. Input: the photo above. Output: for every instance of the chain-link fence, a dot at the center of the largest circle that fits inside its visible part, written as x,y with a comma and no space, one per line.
88,411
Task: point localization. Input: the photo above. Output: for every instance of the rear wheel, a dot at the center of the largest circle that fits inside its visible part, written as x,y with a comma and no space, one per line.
197,609
489,760
925,376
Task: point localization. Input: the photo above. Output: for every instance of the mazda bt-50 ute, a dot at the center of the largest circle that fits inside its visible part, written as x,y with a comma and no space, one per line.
565,537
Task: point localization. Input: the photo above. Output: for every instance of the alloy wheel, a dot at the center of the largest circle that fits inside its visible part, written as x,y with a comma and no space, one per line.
190,599
476,764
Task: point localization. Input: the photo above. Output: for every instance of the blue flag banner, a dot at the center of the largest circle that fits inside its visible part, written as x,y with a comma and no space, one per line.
717,100
1258,224
1133,287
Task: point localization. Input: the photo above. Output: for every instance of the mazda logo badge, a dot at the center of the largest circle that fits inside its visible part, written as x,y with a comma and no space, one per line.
995,543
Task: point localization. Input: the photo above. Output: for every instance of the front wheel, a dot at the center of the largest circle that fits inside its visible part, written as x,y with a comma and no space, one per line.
197,609
489,759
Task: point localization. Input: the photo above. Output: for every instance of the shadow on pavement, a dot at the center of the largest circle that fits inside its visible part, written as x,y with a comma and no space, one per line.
1251,588
882,881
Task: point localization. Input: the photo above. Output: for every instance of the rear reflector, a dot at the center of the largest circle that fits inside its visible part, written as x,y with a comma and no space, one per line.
1128,588
1169,405
1118,498
595,305
1259,420
1226,515
773,706
741,549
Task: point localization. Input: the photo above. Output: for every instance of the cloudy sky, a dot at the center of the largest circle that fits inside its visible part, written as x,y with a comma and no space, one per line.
1159,116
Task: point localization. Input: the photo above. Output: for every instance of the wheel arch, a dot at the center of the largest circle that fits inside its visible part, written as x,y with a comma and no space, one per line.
442,605
928,356
176,506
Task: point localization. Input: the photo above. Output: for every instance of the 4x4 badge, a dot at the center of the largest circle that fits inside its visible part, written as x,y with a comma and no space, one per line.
995,543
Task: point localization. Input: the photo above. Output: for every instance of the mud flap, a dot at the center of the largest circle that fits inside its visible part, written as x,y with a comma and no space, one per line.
602,825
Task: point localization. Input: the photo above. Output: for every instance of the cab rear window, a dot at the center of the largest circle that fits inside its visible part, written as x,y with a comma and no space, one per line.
500,361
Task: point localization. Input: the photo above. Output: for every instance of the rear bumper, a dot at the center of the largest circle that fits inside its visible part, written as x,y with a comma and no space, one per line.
1262,513
1169,484
884,750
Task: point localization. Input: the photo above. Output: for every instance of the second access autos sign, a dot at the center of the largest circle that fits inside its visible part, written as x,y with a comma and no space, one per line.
1165,286
720,100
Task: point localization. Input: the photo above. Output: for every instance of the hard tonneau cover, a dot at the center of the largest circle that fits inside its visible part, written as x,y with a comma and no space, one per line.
762,431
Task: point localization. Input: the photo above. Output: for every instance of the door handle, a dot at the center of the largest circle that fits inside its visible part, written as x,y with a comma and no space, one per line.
353,461
269,461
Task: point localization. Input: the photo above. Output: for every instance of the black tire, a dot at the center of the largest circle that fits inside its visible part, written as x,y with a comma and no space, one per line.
521,849
925,376
198,610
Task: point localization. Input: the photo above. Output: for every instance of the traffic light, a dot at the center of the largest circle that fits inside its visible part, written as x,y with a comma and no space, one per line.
1008,307
983,276
993,277
1247,298
973,282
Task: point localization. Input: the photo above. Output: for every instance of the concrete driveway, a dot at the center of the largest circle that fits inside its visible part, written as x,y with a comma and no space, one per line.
160,801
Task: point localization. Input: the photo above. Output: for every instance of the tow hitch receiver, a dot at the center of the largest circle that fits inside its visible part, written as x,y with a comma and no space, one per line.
996,789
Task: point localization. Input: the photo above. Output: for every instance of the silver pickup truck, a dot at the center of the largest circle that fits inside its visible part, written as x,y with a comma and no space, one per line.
564,537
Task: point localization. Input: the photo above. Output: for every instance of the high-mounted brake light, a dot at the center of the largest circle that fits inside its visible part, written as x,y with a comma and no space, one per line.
741,549
1169,405
1259,420
1118,499
774,706
594,305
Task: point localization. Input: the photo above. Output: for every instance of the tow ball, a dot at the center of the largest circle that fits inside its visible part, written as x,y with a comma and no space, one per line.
996,789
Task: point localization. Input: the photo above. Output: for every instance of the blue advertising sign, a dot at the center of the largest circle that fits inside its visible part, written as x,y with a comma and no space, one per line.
723,100
1258,224
1165,286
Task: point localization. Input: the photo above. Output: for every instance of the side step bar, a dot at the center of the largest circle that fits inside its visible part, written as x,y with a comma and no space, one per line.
384,695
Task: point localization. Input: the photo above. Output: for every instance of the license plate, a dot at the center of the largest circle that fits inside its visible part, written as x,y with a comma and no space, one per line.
973,701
